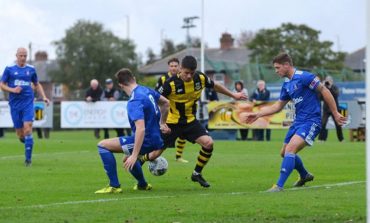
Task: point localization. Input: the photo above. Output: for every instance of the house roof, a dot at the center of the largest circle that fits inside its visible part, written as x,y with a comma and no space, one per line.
215,59
355,60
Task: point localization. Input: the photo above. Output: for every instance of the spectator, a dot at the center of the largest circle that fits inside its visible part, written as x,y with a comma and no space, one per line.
239,87
121,131
109,94
334,90
93,94
261,94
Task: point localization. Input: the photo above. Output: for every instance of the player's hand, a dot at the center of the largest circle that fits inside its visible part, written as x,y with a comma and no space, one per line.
248,117
17,90
165,129
47,101
129,163
240,96
340,119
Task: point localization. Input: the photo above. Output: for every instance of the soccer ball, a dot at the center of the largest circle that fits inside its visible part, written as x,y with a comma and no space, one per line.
159,166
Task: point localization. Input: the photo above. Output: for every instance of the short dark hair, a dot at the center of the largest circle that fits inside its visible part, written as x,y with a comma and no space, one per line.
189,62
173,59
125,76
283,58
239,83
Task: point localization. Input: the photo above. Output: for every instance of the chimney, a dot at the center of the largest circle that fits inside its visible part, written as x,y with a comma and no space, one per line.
41,56
226,41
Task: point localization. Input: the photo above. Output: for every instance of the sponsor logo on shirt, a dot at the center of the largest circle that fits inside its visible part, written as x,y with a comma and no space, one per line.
297,100
180,90
21,83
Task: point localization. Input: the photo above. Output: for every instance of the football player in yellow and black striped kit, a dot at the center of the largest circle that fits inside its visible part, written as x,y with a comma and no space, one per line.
173,70
183,91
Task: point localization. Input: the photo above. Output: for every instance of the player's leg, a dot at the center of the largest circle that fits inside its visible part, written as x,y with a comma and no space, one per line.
106,148
195,132
27,117
28,142
18,124
168,139
127,145
304,176
180,145
289,161
297,138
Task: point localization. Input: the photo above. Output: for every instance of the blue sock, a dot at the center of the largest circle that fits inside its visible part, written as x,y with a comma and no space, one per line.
137,172
109,163
28,146
299,167
287,167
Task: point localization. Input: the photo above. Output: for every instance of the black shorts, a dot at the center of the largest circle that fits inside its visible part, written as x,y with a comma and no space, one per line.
190,132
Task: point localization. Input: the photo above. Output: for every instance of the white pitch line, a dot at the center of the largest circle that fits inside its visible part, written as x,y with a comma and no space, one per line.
42,154
328,186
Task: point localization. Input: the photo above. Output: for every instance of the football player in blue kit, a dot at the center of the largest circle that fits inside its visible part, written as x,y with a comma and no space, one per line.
18,79
301,88
147,113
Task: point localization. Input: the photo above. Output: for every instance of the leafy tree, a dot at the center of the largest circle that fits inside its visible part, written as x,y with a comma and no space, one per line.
168,48
89,51
301,42
151,56
244,38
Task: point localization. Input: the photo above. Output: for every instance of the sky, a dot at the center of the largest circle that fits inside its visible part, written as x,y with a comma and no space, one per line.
148,22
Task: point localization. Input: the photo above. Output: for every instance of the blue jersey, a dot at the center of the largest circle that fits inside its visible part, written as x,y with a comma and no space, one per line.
301,90
143,105
15,75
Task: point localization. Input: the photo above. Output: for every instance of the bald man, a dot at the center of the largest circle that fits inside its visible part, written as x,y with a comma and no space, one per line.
94,94
18,79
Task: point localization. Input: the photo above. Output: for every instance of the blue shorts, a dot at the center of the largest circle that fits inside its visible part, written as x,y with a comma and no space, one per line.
20,116
307,131
127,144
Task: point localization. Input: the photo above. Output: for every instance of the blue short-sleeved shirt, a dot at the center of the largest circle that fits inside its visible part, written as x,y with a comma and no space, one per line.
15,75
143,104
301,90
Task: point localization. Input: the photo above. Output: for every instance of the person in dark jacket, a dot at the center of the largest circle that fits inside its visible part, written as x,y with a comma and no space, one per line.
261,94
334,90
93,94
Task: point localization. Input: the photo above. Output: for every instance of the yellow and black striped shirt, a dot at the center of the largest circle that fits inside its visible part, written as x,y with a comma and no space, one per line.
162,79
183,96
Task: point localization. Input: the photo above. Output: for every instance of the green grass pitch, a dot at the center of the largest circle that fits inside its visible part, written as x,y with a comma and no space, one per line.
66,170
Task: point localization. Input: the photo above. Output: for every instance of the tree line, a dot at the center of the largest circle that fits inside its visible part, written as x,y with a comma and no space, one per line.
88,51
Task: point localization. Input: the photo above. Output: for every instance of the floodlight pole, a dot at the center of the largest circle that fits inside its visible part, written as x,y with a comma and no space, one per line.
202,40
127,27
367,106
188,24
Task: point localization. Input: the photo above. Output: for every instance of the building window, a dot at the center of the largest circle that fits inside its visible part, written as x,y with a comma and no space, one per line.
58,91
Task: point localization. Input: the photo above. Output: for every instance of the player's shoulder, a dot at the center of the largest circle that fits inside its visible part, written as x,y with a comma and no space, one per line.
11,66
30,66
302,73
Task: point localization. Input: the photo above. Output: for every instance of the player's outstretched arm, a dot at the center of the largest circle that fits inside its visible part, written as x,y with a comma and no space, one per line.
223,90
250,117
41,92
329,99
139,139
164,106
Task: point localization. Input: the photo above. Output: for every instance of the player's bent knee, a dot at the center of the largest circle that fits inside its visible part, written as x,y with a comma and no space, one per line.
208,144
